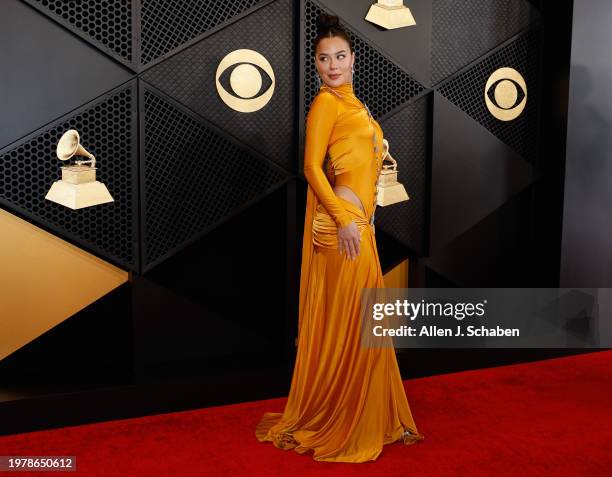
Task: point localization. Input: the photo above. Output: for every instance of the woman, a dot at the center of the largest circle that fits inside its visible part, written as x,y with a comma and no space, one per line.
345,401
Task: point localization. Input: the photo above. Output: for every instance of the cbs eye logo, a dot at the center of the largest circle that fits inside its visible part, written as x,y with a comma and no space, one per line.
505,94
246,73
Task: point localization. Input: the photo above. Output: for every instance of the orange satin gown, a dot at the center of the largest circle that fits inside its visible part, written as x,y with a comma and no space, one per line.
345,401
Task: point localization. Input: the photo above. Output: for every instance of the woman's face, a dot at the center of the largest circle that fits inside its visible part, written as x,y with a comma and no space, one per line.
334,61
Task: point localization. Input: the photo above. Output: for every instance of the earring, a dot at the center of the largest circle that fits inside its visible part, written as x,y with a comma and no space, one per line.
318,79
353,74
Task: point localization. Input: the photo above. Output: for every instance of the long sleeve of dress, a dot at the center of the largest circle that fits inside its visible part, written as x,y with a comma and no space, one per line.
319,124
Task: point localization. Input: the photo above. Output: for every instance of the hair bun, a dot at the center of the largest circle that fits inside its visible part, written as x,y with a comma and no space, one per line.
326,21
328,26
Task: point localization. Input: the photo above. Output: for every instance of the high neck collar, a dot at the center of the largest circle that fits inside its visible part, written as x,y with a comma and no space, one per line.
346,88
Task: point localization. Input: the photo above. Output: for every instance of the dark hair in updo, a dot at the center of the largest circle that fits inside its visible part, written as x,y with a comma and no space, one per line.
328,26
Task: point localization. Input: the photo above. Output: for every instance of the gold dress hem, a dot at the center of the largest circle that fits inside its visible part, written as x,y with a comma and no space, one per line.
285,439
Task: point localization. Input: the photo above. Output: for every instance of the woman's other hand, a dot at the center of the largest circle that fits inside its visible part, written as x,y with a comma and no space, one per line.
349,240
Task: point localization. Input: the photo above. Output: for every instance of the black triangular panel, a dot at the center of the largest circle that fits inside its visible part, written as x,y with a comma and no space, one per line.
46,72
463,31
406,132
107,24
497,251
473,173
193,176
378,81
466,90
94,342
189,77
167,24
107,127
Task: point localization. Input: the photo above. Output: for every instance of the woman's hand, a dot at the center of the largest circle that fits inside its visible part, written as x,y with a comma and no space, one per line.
349,240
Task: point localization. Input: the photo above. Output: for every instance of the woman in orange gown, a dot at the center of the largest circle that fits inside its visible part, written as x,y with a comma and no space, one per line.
346,401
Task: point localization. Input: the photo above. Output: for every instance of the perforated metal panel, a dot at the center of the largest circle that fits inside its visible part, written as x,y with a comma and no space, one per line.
107,24
192,178
463,31
29,168
406,132
180,203
189,77
378,81
167,24
467,92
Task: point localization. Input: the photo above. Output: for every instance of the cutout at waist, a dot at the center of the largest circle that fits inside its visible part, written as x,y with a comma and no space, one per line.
346,193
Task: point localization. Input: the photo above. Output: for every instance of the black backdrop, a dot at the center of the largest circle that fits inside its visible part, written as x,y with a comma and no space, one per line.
136,79
209,202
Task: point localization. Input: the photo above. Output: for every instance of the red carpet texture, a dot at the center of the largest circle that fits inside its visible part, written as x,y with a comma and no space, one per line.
551,417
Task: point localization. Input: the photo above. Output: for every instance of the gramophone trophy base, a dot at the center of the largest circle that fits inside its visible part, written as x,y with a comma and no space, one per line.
390,17
391,194
78,174
387,178
78,196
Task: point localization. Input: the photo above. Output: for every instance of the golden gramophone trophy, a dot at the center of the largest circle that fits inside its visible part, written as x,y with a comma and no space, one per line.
390,14
389,190
78,187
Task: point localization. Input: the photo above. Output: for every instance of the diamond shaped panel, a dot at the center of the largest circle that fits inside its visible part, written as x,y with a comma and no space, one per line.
467,92
28,169
193,177
189,77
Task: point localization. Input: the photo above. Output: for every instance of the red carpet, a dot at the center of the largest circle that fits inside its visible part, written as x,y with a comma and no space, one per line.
552,417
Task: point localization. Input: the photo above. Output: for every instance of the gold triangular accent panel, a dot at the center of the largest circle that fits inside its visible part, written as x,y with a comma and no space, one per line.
43,281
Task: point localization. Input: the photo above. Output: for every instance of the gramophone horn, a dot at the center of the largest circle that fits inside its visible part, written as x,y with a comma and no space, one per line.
69,146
